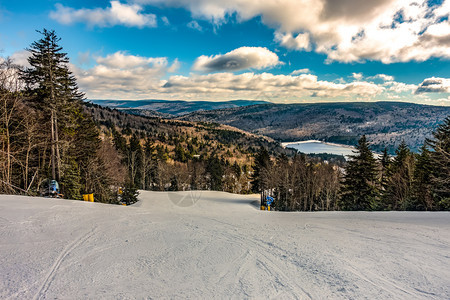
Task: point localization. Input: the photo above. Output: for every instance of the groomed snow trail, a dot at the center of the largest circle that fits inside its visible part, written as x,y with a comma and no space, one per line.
213,245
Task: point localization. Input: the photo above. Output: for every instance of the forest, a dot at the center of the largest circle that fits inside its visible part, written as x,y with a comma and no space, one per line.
407,181
49,132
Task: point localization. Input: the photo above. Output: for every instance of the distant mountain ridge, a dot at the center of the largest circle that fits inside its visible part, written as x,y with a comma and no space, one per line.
173,107
384,123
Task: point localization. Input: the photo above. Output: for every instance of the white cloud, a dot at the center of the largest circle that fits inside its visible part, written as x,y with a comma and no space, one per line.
238,59
165,20
194,25
357,76
121,60
400,87
121,75
174,67
116,14
84,58
345,30
284,85
301,71
21,58
434,85
383,77
287,40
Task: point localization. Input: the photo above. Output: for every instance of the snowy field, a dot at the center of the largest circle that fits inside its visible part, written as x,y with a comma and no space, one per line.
221,246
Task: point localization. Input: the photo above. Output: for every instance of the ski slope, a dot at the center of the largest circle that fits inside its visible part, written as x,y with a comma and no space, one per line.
211,245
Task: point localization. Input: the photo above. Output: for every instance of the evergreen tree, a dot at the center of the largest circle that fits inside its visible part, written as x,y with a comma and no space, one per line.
174,184
55,92
237,170
261,168
385,173
71,133
422,198
129,193
399,187
359,190
180,154
440,164
215,169
282,182
134,157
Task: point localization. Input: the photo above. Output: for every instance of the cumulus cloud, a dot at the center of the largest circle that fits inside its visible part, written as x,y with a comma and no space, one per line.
124,76
174,67
400,87
357,76
301,71
238,59
287,40
120,75
297,86
21,58
345,30
116,14
383,77
434,85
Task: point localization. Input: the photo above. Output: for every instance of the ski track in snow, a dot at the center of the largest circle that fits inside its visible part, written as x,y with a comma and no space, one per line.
51,274
220,247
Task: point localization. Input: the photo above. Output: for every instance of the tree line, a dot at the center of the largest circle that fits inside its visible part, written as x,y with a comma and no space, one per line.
45,133
407,181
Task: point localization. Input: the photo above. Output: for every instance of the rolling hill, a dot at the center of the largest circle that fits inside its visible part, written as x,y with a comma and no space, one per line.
173,107
384,123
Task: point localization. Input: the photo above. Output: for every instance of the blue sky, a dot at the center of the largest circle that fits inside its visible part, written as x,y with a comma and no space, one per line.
278,50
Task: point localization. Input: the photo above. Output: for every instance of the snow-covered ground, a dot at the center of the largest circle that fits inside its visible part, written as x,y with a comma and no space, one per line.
221,246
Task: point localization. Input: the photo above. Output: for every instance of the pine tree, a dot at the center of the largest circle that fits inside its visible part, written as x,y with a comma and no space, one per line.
282,182
215,169
129,193
359,190
385,173
261,167
399,187
71,133
237,170
440,164
55,92
135,160
261,174
422,198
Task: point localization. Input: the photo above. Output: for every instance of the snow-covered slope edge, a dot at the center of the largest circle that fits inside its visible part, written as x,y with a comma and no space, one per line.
217,245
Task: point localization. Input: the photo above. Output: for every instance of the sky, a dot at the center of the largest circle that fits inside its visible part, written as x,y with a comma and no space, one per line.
284,51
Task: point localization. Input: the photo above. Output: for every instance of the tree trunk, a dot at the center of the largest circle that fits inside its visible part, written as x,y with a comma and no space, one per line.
53,146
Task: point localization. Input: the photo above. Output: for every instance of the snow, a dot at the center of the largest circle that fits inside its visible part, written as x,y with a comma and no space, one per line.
318,147
217,245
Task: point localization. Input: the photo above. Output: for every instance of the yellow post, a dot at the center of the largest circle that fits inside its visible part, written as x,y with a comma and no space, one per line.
91,197
268,207
85,197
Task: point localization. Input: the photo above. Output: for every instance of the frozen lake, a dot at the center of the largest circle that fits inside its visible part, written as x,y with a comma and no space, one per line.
316,147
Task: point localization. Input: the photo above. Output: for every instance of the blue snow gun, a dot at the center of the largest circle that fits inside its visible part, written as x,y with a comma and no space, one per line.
269,200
